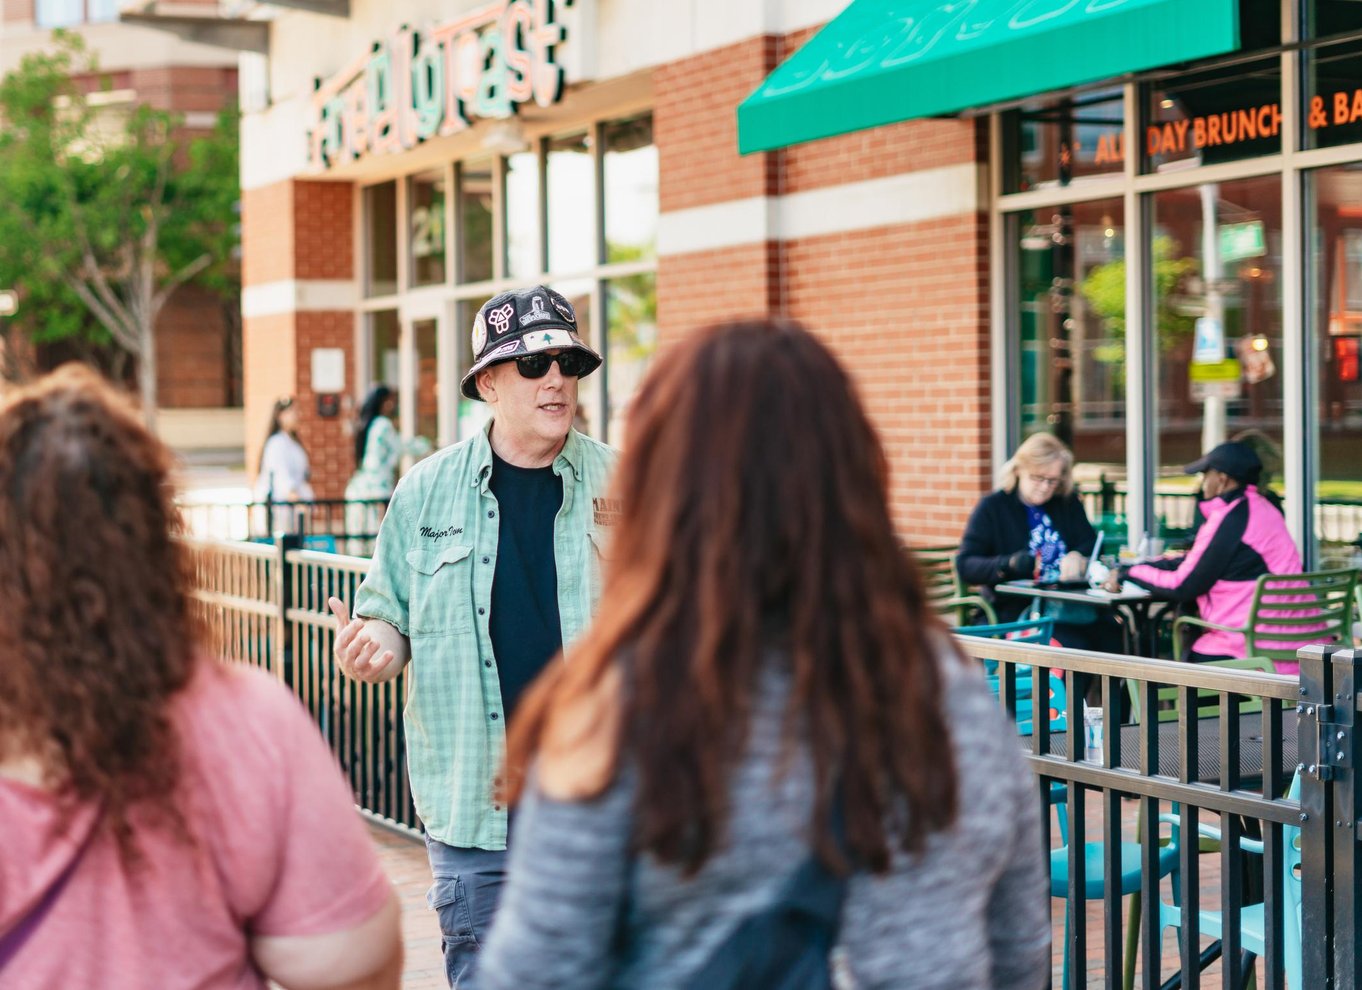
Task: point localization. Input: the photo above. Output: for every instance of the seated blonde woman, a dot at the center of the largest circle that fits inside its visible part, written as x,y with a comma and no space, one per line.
1034,526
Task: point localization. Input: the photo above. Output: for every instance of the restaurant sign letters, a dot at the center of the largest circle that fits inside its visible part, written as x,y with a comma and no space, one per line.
416,85
1188,134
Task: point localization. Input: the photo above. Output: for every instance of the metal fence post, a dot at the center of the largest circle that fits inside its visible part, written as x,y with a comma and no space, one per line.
287,543
1325,757
1343,756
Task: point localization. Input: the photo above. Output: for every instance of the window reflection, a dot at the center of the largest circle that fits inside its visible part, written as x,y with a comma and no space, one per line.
380,226
427,228
631,339
523,257
1336,325
1073,353
475,220
1218,314
385,365
1069,139
572,203
427,380
630,180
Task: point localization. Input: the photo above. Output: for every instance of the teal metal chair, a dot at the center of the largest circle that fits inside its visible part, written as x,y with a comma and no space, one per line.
1024,631
1253,922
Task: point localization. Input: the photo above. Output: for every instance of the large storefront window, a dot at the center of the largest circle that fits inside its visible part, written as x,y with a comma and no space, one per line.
630,181
1336,332
1071,270
572,204
630,340
523,252
426,228
1217,277
475,220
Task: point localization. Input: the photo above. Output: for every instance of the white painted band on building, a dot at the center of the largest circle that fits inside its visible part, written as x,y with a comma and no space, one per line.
298,296
897,199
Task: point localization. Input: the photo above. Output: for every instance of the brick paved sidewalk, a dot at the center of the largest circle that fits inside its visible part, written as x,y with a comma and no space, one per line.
404,860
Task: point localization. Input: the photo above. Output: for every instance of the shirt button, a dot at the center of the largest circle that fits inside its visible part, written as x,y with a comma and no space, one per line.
496,807
482,611
494,716
490,513
486,560
487,663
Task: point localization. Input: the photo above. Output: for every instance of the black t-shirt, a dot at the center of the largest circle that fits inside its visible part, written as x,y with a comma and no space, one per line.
524,625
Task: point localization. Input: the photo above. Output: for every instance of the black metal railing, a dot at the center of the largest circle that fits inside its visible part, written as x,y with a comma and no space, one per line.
1188,799
345,526
266,605
1203,764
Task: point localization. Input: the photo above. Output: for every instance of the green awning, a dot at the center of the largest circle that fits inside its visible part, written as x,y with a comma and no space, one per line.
882,61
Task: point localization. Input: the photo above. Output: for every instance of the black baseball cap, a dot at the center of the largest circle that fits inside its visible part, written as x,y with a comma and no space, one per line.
519,322
1238,460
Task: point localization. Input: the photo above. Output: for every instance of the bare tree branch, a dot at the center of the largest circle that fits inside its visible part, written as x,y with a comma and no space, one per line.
126,338
179,278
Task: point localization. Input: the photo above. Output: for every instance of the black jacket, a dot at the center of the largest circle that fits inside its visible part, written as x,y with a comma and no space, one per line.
997,529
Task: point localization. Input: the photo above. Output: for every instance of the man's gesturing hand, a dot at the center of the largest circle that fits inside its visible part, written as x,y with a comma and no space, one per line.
368,649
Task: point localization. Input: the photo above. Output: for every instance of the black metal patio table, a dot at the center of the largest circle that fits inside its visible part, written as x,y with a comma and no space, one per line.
1132,607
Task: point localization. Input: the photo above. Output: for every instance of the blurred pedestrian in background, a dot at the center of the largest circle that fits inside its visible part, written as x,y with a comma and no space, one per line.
284,473
379,450
169,822
1034,526
1243,538
765,713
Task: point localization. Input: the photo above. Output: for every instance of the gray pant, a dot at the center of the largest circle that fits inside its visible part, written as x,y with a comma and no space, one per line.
467,889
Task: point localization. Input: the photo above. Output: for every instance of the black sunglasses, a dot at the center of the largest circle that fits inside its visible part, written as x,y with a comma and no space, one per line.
573,364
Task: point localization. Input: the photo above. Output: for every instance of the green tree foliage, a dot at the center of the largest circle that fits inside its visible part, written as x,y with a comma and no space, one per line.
105,211
1105,291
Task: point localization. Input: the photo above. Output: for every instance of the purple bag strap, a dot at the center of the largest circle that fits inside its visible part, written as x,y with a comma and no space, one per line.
13,940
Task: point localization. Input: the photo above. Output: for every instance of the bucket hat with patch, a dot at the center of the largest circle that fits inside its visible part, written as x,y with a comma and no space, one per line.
519,322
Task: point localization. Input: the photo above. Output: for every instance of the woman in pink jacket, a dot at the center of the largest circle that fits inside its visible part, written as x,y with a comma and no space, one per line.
1244,537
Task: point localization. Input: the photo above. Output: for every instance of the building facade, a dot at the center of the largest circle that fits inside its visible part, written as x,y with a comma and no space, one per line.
984,270
197,339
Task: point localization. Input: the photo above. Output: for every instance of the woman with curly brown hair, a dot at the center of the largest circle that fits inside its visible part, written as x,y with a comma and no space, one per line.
169,822
766,743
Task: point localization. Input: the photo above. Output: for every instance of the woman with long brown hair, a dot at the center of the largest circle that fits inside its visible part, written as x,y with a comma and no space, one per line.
765,695
169,822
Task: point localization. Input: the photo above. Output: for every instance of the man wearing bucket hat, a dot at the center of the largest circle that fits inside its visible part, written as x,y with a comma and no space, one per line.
487,562
1244,536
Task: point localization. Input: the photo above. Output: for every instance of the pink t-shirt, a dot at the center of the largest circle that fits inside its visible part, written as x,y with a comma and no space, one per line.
279,850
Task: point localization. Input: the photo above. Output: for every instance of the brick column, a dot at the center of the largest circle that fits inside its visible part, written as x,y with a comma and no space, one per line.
299,283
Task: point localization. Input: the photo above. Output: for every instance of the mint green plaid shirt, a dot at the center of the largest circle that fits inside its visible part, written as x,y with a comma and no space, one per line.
431,578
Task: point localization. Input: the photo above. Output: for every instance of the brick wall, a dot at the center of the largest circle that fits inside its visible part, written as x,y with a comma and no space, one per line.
696,128
16,10
909,317
905,307
191,352
296,231
328,440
